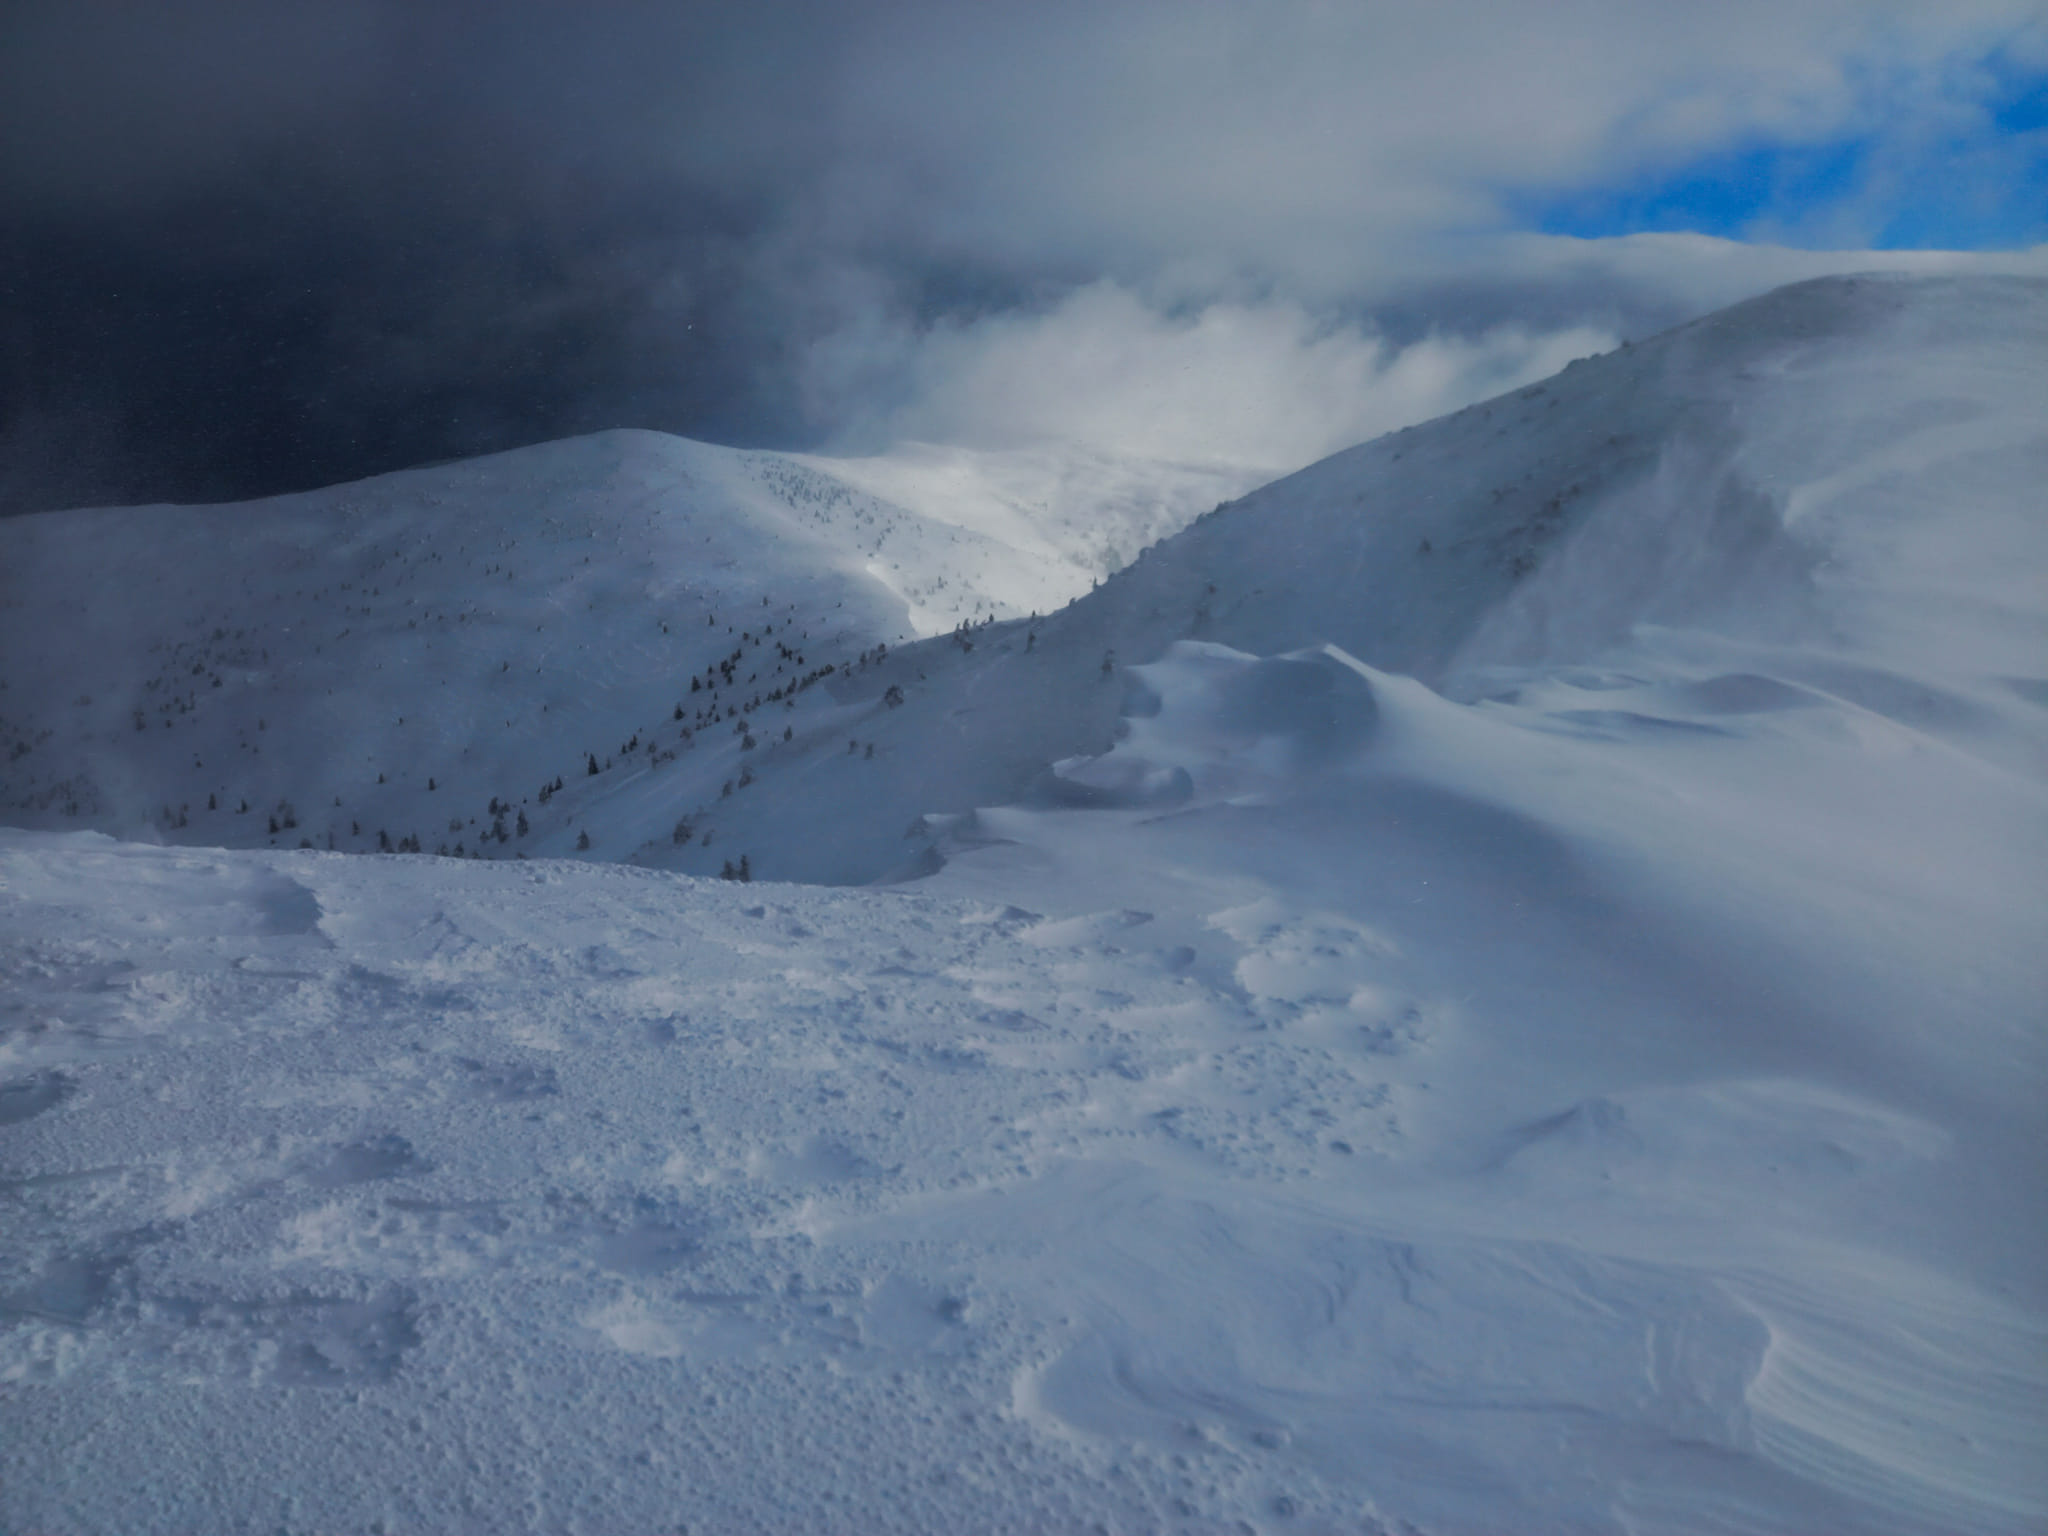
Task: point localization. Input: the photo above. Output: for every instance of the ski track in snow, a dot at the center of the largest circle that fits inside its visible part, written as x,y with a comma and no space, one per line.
1521,1012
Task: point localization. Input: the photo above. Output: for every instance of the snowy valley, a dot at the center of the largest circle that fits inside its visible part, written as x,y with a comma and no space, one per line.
1493,983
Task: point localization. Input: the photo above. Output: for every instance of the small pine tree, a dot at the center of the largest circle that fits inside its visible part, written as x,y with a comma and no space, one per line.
592,770
583,842
523,827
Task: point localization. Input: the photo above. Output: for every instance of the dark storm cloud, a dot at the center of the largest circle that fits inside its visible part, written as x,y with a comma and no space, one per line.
257,246
251,246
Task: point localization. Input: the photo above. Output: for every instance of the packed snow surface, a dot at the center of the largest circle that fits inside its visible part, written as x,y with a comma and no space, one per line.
1494,984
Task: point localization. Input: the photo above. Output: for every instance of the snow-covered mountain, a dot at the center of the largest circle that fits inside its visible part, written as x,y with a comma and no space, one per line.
1070,512
411,659
1836,486
1492,984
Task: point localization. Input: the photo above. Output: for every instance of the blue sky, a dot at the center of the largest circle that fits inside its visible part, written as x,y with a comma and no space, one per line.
1962,165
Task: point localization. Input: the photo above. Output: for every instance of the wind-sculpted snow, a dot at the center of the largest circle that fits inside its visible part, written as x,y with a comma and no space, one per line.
1396,1166
1493,985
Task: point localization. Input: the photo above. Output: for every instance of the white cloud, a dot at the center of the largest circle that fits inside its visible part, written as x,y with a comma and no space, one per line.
1266,385
1273,385
1692,274
1221,179
1244,230
1312,143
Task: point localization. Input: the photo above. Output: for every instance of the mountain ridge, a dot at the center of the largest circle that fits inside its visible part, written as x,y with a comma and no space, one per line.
1682,484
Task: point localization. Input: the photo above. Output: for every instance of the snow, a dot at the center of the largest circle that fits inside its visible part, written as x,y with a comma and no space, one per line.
1064,511
403,655
1540,1031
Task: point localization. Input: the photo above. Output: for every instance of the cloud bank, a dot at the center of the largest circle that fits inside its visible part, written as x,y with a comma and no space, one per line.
1262,385
252,245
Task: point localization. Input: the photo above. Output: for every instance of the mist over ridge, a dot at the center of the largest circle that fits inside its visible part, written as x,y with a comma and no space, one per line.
254,249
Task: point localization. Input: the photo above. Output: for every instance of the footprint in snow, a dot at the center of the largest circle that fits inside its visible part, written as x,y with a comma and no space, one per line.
380,1157
510,1082
817,1161
26,1097
299,1339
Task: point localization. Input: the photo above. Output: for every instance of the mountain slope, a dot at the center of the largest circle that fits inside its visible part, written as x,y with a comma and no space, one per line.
1836,484
1761,476
486,626
1066,510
